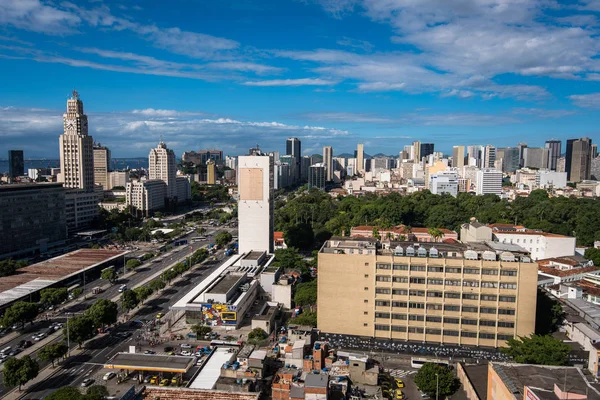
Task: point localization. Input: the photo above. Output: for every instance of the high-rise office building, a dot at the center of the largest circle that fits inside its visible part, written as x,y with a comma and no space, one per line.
425,150
317,176
554,149
458,156
416,145
101,166
255,205
578,159
293,147
76,148
360,158
509,157
16,163
146,196
489,157
594,151
328,162
535,157
521,147
162,165
425,292
489,181
211,178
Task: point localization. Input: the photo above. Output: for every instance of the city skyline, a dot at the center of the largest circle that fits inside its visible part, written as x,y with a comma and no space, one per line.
146,69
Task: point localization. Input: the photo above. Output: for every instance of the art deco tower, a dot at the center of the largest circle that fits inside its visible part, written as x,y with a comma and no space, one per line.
76,148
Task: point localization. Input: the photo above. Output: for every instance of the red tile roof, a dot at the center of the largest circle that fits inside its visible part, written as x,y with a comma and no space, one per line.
569,272
278,235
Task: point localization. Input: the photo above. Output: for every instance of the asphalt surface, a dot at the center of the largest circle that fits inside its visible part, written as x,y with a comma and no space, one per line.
106,345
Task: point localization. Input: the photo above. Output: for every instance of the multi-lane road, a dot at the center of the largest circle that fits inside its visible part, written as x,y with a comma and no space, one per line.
102,348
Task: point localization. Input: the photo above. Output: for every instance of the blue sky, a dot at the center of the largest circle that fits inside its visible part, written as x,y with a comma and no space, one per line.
232,73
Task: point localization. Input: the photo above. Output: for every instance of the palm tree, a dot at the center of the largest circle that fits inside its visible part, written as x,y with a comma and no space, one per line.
435,233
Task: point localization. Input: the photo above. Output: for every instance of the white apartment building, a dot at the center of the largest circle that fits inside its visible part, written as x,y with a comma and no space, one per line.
76,148
81,207
328,162
146,196
444,182
489,181
231,162
162,165
184,188
547,178
118,178
542,245
255,205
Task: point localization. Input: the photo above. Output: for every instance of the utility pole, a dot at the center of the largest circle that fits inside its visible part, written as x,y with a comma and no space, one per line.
437,386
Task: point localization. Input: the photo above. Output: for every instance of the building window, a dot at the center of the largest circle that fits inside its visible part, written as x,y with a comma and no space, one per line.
400,292
382,290
484,322
450,333
431,331
470,296
400,304
416,305
367,275
398,316
504,337
401,267
382,327
365,301
434,294
415,330
469,334
471,270
503,324
488,297
432,306
451,320
383,266
471,283
419,268
365,324
366,264
452,295
469,309
416,318
382,303
508,299
489,284
381,315
382,278
398,328
366,288
435,269
487,335
452,282
400,279
420,293
508,285
420,281
508,272
451,307
431,318
431,281
450,270
467,321
506,311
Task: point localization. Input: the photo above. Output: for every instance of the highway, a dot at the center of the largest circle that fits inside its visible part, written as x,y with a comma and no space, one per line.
102,345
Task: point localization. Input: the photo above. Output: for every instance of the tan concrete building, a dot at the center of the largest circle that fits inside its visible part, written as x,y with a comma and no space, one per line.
162,165
210,172
146,196
101,166
76,148
360,158
328,162
435,292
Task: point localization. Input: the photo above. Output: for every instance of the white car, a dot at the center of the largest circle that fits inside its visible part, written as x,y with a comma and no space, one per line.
108,376
186,353
186,346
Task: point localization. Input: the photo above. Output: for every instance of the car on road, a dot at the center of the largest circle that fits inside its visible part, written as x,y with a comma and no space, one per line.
149,352
122,288
399,395
39,336
186,353
186,346
164,382
154,380
108,376
168,348
87,382
23,344
159,315
399,383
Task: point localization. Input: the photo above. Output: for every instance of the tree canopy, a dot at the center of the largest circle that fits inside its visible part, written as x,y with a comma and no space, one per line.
79,329
593,254
19,371
537,349
306,293
20,313
52,352
433,378
257,334
133,263
223,238
306,318
109,274
9,267
65,393
53,296
129,299
103,312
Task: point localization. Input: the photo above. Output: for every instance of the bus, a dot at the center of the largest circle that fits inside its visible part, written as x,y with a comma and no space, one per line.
416,362
180,242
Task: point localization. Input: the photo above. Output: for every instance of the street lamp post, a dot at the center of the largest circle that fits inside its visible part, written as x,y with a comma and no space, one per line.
437,386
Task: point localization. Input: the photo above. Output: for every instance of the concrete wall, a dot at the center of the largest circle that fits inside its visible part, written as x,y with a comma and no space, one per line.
466,383
283,295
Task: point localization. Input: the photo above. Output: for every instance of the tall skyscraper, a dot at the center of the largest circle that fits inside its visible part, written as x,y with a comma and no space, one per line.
578,159
416,151
293,147
16,163
489,157
458,156
162,165
425,150
316,176
255,205
328,162
76,148
360,158
489,181
521,147
535,157
210,172
554,148
101,165
509,157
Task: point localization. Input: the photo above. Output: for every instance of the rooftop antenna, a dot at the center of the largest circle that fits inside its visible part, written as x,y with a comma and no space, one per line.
75,94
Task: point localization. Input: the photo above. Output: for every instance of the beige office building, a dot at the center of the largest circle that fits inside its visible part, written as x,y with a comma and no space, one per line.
76,148
210,172
146,196
435,292
458,156
328,162
162,165
101,166
360,159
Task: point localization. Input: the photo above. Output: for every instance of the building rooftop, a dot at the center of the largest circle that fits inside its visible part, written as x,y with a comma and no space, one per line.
566,272
11,187
174,393
254,255
210,372
316,381
226,283
478,376
38,276
150,362
569,379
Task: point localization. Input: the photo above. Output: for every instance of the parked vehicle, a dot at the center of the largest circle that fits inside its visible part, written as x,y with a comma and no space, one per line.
108,376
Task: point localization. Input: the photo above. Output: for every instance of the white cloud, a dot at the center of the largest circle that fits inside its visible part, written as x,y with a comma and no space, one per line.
292,82
591,100
543,113
34,15
151,112
348,117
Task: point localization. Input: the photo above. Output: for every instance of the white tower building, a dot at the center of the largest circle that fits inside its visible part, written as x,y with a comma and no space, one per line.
489,181
162,165
255,206
76,148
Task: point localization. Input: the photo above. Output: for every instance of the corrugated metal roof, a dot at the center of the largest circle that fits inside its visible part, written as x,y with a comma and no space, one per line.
208,376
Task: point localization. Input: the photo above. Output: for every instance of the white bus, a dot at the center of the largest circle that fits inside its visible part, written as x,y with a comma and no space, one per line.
417,362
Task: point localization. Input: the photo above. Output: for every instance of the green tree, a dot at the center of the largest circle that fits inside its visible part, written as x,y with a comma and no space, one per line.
109,274
9,267
433,378
156,284
306,318
169,275
223,238
53,296
593,254
200,330
103,312
549,314
142,293
537,349
199,256
435,233
20,313
290,259
257,334
300,236
52,352
132,263
76,292
306,293
79,329
96,392
19,371
65,393
129,300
